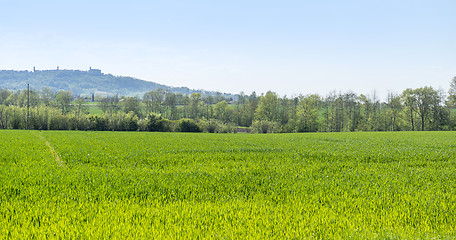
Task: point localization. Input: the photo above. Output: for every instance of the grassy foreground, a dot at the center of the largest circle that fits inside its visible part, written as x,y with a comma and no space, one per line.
224,186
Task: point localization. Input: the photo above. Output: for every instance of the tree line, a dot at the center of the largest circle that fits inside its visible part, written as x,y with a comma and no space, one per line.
420,109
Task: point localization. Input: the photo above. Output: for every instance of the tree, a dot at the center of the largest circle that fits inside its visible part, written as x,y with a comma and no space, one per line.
63,100
327,112
222,111
80,108
410,103
4,116
285,106
365,112
188,125
268,108
110,105
153,100
394,109
253,101
28,96
171,102
195,102
46,96
219,97
184,100
351,111
263,126
155,123
132,104
440,119
4,94
452,93
426,97
334,112
307,113
131,121
16,117
242,111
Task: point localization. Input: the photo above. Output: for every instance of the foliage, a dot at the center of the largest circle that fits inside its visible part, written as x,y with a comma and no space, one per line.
452,93
63,101
155,123
195,105
131,104
210,126
265,127
307,113
110,105
421,109
268,108
188,125
216,126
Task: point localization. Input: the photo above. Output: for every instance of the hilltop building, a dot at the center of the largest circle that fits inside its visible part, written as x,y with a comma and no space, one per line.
94,71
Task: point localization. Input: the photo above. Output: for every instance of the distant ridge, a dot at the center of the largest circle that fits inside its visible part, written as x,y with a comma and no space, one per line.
87,82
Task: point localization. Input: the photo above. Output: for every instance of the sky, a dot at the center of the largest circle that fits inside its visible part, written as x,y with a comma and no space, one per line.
289,47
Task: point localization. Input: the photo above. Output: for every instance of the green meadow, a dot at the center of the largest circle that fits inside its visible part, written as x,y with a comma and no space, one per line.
130,185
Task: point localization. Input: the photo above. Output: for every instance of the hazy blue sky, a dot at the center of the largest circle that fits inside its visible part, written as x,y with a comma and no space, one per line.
289,47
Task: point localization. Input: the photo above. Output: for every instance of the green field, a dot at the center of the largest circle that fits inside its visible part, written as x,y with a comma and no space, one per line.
227,186
93,108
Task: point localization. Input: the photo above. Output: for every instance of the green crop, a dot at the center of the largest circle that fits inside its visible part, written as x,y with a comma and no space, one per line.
225,186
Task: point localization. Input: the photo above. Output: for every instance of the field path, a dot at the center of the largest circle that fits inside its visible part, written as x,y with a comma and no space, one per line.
52,150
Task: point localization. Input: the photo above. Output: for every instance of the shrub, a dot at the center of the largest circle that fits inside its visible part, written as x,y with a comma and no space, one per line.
155,123
97,123
265,127
210,126
188,125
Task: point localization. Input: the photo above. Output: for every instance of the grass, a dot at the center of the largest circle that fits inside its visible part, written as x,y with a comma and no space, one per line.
93,108
180,185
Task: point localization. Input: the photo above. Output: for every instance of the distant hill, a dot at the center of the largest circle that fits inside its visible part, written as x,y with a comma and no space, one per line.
86,82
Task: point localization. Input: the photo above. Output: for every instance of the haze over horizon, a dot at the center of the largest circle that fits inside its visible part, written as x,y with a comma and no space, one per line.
290,47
